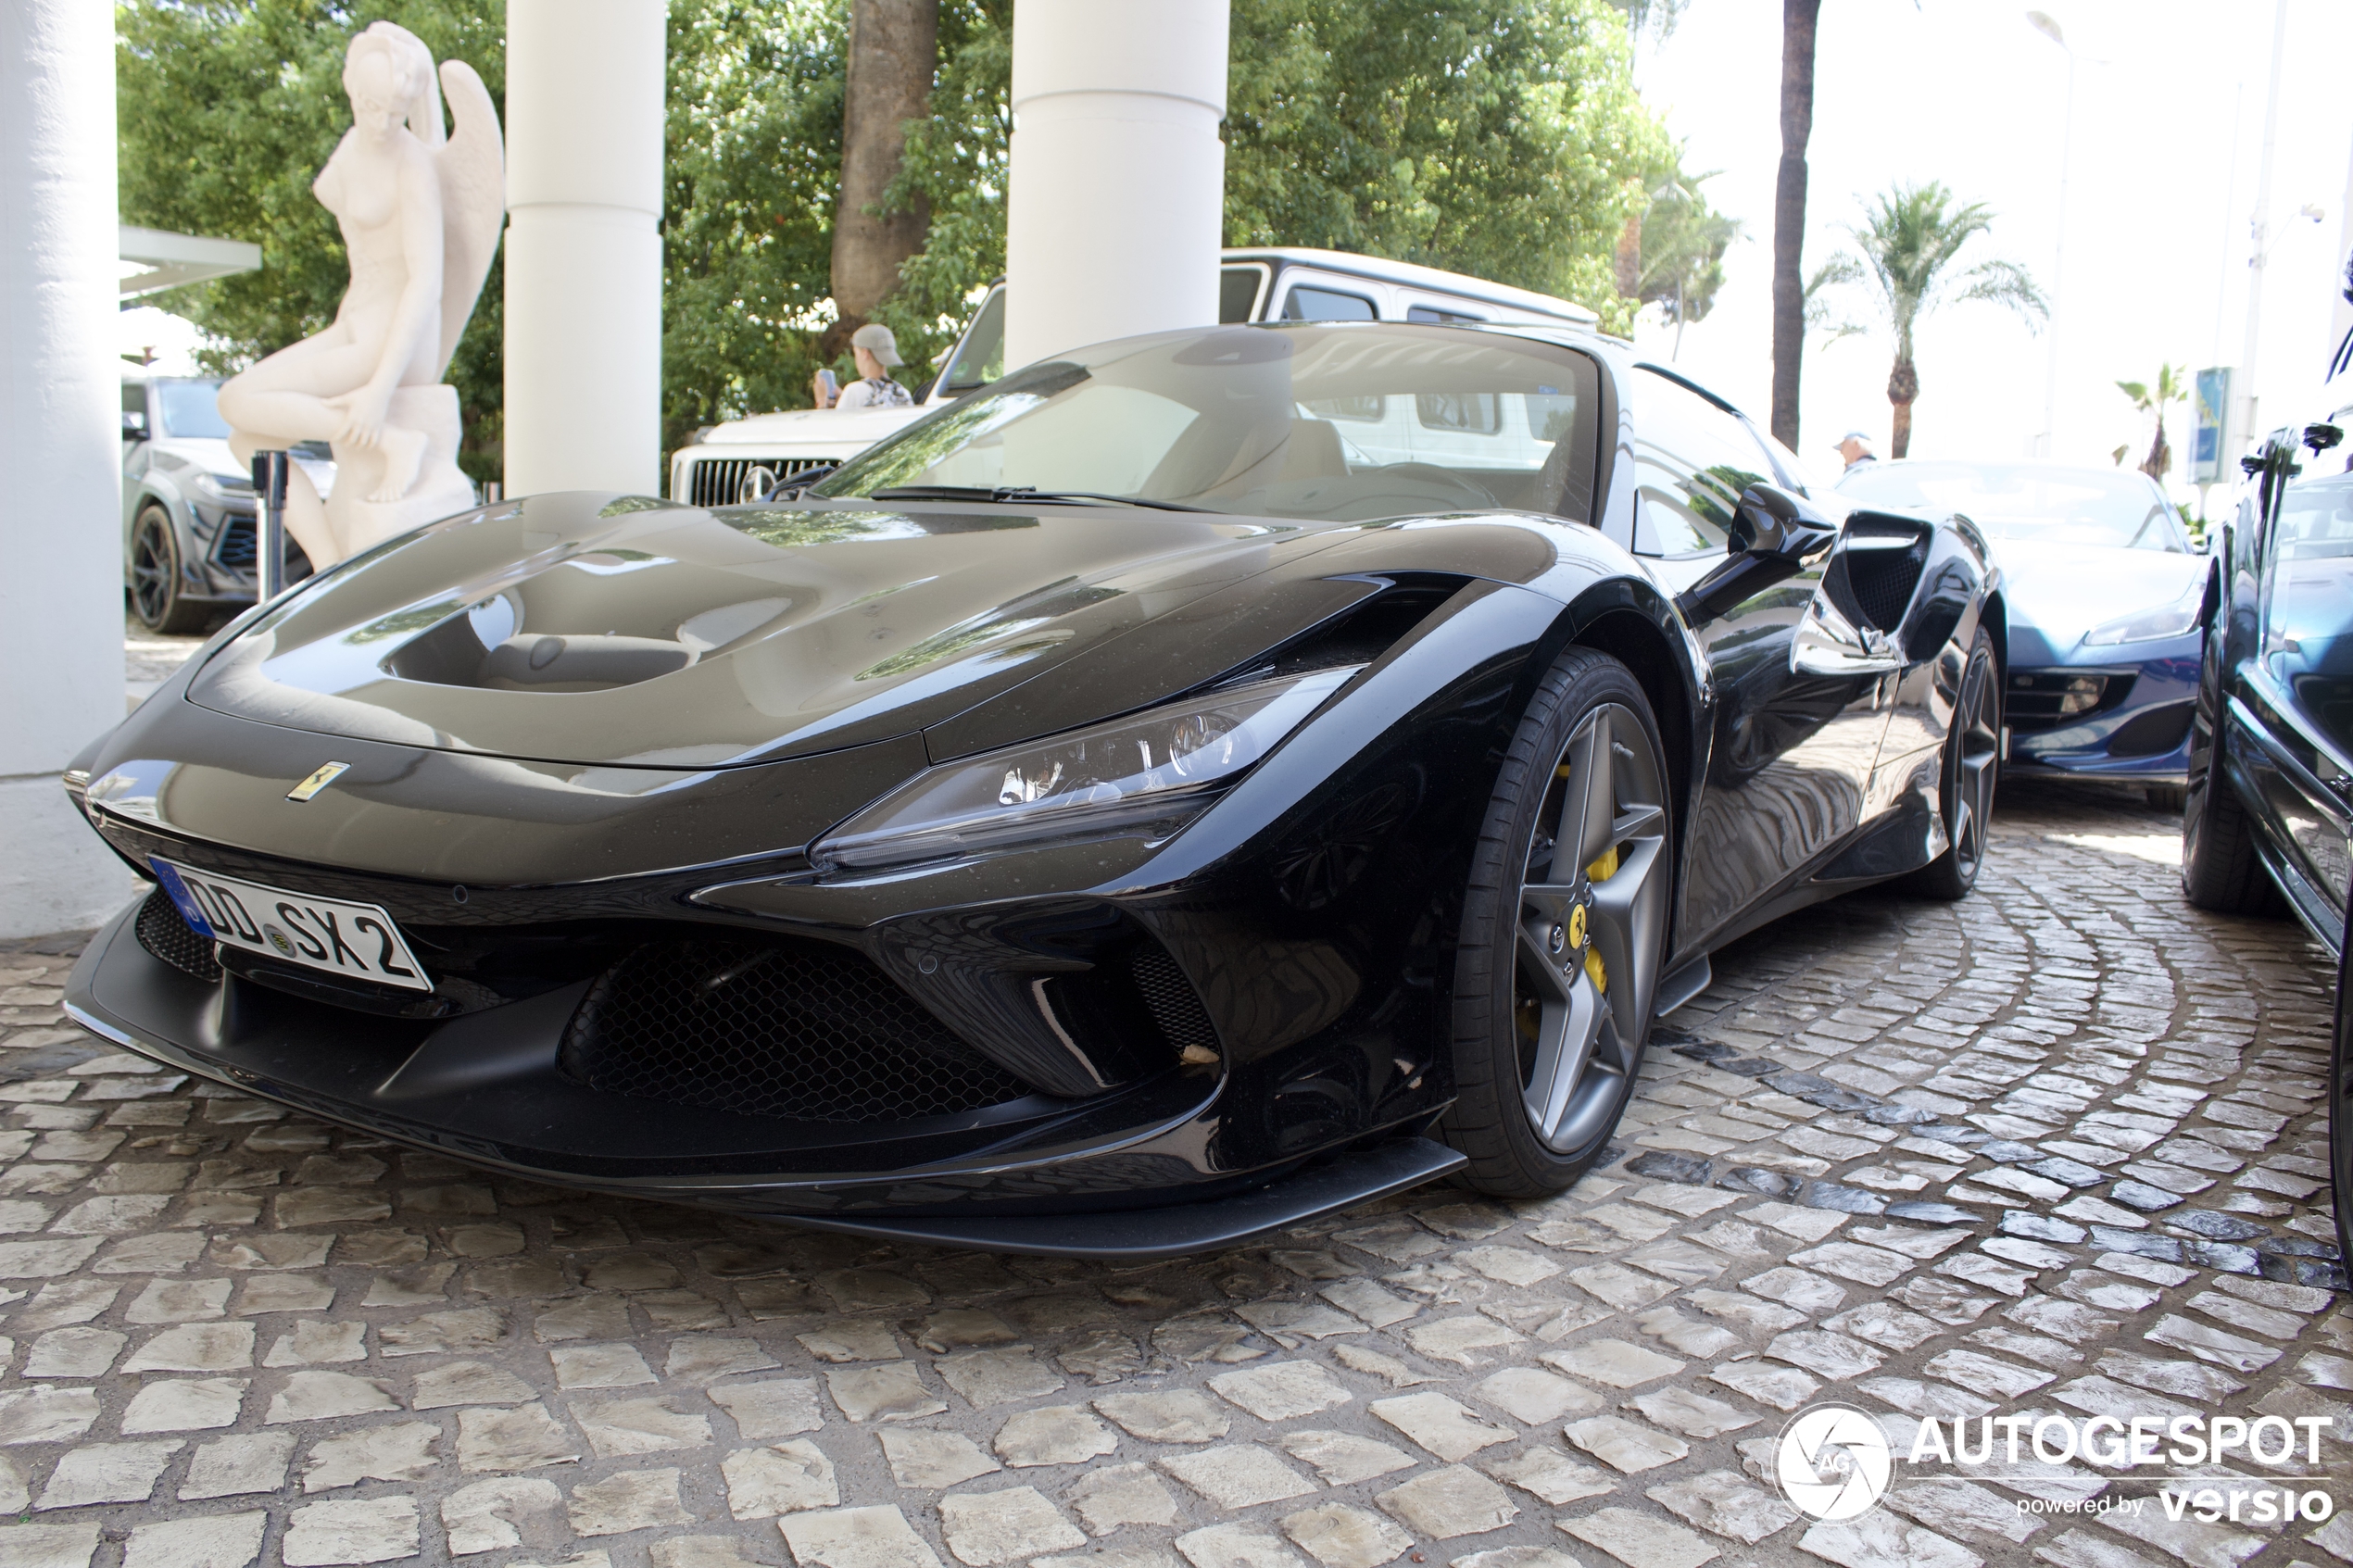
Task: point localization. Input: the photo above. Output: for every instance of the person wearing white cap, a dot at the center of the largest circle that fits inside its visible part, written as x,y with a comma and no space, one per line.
1855,448
877,354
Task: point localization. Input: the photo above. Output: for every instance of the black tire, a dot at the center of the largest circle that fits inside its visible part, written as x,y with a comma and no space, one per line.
156,599
1971,768
1585,694
2221,870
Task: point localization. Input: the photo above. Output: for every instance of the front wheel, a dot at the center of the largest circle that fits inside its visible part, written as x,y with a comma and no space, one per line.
156,598
2221,870
1564,933
1972,766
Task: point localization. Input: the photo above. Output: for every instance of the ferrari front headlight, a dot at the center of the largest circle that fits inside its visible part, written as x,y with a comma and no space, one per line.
1143,776
2175,620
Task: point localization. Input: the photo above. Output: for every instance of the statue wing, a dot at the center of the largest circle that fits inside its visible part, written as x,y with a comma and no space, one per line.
474,199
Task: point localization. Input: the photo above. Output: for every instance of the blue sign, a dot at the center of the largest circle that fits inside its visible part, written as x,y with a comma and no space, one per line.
2213,423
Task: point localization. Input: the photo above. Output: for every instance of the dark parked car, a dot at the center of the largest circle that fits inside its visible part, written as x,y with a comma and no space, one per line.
2271,797
1185,786
2104,594
187,506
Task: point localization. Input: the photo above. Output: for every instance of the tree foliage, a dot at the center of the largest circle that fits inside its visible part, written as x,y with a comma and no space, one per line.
2154,398
1501,138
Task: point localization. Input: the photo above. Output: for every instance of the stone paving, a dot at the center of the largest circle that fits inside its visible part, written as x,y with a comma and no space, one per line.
2057,1148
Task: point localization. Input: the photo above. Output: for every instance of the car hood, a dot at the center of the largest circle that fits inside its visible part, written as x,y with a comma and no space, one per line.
212,454
855,428
2063,591
626,631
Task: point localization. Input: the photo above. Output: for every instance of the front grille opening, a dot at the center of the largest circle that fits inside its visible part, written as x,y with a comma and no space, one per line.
163,932
798,1031
2152,733
720,482
2038,700
1174,1004
237,548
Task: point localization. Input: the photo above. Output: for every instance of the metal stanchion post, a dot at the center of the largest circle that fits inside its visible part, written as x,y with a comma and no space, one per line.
269,521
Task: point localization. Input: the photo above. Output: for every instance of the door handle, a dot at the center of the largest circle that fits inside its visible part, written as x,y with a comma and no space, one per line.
1829,644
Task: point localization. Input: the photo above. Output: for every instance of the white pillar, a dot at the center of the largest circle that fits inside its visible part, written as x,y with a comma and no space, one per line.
584,253
60,445
1115,195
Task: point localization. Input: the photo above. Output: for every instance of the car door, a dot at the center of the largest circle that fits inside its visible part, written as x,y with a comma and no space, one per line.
2294,696
1791,753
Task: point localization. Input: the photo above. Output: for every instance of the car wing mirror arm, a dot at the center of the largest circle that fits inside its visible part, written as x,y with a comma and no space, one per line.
1775,534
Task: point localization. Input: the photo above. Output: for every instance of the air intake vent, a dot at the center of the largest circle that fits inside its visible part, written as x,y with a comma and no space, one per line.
165,934
799,1030
1175,1005
1883,580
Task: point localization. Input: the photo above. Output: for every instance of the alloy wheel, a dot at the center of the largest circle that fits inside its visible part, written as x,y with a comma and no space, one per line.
1592,913
152,570
1977,731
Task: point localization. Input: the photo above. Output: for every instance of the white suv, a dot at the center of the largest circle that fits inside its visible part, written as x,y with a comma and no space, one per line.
742,459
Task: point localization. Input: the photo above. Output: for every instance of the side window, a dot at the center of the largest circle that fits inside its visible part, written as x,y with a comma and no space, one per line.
1306,302
1238,293
1692,460
1433,314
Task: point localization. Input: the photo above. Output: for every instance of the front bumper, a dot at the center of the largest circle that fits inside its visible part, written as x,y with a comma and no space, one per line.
2135,731
1128,1173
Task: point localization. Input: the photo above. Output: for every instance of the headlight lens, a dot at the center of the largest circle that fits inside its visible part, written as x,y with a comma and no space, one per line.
1147,776
222,487
2175,620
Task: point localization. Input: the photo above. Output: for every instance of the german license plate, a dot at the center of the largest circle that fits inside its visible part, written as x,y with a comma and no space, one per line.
356,941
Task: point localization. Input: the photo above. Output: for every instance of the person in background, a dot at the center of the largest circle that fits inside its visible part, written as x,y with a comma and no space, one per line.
1855,448
877,354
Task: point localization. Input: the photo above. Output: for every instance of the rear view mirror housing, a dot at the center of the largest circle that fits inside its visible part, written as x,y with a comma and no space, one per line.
1774,533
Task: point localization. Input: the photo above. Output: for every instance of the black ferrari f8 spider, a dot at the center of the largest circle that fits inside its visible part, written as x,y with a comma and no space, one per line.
1189,785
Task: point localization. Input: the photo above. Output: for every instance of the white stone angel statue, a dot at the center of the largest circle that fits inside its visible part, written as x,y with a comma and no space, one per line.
420,210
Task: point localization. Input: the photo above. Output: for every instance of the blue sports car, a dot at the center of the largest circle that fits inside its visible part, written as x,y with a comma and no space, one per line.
2106,600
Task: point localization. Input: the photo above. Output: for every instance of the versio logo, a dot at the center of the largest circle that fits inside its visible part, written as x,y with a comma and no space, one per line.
1833,1462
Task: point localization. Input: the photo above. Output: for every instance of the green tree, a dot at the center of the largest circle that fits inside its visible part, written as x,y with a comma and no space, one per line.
1910,245
1681,244
1501,138
2172,386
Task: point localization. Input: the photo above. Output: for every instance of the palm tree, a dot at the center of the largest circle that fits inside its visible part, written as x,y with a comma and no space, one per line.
2172,385
1798,20
1908,246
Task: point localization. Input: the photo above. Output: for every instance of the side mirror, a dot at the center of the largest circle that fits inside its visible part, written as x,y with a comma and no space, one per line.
1774,533
134,426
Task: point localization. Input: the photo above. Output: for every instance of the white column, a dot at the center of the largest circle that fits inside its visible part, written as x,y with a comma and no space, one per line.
1115,201
60,429
584,255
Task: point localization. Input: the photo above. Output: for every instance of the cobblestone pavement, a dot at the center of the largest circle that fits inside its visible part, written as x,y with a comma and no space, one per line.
2057,1148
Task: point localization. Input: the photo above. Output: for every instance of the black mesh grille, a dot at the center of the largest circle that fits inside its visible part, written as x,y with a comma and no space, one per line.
237,548
806,1032
1882,582
719,482
1176,1006
163,933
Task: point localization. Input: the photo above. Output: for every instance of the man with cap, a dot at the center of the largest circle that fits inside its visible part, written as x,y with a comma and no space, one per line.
877,353
1855,448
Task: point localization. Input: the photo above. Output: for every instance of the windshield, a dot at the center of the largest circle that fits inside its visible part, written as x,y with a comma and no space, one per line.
191,408
1344,424
2029,502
